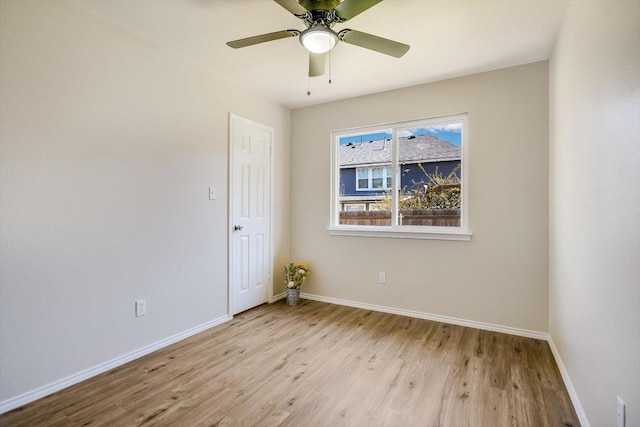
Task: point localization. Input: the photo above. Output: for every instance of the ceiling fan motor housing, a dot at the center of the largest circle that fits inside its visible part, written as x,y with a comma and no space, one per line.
319,4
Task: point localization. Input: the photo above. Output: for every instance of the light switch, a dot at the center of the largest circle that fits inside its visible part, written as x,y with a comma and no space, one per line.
212,193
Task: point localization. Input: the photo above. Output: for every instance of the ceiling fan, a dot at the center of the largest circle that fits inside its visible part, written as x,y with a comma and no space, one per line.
320,16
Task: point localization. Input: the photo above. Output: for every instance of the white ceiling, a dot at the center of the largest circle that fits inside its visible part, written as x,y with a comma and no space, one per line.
448,38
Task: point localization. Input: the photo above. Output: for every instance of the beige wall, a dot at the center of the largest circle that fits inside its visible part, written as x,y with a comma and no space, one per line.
108,147
501,275
594,294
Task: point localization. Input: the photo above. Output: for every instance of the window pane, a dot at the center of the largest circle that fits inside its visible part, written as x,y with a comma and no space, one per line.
377,181
363,159
430,179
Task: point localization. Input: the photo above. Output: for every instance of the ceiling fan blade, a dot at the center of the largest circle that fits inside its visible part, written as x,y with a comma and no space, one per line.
369,41
249,41
316,64
292,6
350,8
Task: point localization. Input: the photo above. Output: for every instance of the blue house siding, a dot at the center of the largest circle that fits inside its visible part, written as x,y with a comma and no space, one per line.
410,173
348,183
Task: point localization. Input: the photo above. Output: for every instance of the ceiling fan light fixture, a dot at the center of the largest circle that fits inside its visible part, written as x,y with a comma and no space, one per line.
318,39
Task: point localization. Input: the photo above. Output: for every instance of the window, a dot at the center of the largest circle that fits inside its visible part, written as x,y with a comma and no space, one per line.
374,178
355,207
412,176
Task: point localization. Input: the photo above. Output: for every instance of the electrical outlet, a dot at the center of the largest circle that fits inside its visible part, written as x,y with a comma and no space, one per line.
382,277
141,307
620,419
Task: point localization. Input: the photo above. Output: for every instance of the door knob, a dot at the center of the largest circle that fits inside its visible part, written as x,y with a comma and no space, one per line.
237,227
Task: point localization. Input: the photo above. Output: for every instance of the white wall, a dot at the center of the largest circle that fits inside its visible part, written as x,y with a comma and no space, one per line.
594,295
108,147
501,275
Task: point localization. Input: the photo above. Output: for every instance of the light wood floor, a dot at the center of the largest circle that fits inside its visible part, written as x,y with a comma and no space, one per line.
320,364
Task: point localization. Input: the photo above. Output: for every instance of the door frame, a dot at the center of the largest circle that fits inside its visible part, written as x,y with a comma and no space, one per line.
232,118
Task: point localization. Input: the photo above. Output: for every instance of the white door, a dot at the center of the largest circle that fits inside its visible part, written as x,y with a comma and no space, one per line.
250,163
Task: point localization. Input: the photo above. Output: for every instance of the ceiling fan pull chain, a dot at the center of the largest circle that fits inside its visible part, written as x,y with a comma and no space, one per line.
308,84
330,66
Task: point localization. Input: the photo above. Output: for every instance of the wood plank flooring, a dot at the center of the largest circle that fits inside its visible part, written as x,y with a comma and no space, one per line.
321,364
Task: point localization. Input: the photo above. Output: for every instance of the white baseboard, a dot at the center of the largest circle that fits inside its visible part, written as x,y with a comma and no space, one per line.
435,317
55,386
584,422
277,297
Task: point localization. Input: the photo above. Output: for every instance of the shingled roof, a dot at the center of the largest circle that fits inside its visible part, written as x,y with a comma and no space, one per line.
414,149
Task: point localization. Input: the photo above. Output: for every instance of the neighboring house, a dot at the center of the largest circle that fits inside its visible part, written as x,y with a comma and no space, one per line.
365,167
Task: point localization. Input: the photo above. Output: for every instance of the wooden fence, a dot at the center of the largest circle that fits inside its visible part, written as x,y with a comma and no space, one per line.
417,217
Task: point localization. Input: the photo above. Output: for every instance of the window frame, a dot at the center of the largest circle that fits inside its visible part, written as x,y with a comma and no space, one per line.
460,233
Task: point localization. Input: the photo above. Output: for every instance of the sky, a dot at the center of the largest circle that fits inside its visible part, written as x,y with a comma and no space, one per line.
451,132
